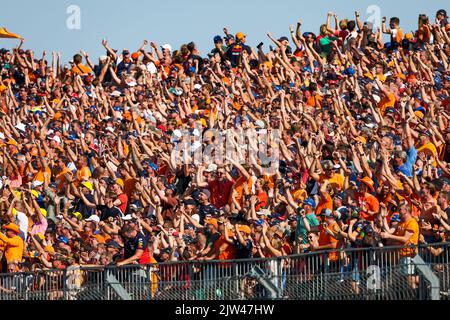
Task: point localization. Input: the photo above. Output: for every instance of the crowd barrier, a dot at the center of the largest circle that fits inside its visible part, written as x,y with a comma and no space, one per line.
385,273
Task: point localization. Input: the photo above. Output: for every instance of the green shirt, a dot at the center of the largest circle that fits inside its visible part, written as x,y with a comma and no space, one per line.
301,229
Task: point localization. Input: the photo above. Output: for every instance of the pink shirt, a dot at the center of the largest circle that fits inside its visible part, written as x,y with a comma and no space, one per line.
39,226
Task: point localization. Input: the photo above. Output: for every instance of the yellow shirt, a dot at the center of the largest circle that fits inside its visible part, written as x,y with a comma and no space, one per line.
337,180
429,149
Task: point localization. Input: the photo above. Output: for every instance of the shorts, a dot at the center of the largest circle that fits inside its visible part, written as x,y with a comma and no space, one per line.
407,266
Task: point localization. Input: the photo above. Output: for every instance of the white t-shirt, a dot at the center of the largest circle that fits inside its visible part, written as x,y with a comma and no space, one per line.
21,220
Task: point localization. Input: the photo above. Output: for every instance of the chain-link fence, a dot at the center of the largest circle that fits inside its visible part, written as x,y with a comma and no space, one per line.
393,273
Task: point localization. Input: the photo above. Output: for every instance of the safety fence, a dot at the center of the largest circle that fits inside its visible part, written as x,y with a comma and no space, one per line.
388,273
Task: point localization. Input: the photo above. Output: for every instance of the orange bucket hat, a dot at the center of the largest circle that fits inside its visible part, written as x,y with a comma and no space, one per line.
368,182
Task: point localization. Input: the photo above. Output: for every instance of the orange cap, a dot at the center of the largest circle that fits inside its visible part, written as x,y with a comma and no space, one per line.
240,36
57,116
419,114
245,229
361,139
135,55
212,221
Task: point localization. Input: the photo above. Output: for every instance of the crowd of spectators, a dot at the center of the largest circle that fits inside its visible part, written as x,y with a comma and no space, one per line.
90,151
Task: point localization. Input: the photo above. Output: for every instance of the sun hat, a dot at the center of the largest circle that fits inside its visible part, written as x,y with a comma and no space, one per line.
13,227
368,182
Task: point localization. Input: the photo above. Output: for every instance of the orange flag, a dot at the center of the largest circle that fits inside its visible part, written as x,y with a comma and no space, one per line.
6,34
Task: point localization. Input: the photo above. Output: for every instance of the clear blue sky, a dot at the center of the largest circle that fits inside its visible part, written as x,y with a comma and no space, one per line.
125,24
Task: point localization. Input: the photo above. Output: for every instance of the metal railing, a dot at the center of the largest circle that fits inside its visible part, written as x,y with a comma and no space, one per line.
389,273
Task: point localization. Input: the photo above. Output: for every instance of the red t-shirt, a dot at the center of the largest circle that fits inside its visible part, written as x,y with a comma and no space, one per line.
220,192
124,199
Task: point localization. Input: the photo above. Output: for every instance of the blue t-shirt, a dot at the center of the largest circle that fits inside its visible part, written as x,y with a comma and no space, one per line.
407,167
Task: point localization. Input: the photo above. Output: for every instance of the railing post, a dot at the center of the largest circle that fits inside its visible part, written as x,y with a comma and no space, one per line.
237,277
65,280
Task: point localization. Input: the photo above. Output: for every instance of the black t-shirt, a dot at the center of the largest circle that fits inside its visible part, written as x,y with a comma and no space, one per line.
108,212
210,239
244,252
123,67
204,210
234,53
361,227
82,208
140,242
182,182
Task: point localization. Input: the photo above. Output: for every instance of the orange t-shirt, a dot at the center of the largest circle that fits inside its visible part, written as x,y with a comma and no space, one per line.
60,179
326,238
270,180
239,187
81,69
40,175
83,174
226,250
371,203
314,100
324,203
410,225
128,187
263,198
386,101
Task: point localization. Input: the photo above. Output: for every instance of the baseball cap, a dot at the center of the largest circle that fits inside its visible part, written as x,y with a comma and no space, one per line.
218,39
128,217
211,168
206,192
310,202
167,47
326,212
36,183
120,182
88,185
340,195
240,36
113,244
189,202
63,239
263,212
212,221
93,218
442,11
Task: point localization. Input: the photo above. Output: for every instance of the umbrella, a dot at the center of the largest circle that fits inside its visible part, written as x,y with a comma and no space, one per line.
6,34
